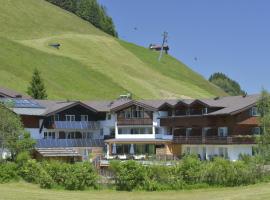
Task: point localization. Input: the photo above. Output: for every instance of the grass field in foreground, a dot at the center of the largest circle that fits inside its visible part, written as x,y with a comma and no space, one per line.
25,191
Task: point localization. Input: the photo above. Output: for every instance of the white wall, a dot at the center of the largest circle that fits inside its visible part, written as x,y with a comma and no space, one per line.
233,150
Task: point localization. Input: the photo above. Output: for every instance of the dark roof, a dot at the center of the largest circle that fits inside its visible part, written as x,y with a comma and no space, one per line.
11,94
226,105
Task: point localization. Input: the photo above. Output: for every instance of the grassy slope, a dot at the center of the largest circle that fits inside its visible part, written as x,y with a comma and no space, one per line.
89,64
24,191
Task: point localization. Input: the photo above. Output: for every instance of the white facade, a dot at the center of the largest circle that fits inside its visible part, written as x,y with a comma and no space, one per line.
231,152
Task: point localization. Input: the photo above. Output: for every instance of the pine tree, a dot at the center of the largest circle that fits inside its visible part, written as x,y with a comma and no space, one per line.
91,11
37,88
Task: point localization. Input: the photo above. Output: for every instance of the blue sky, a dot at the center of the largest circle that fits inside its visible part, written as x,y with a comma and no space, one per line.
226,36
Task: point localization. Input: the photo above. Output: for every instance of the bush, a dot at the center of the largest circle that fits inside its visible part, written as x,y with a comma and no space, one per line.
31,171
129,175
163,178
191,169
45,180
8,172
80,176
22,158
59,171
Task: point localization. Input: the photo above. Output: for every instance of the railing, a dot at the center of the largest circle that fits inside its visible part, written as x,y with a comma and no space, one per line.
144,121
76,125
213,140
53,143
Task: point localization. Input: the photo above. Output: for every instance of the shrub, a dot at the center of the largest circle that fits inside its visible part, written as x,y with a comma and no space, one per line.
191,169
31,171
79,176
57,170
129,175
22,158
218,172
8,172
45,180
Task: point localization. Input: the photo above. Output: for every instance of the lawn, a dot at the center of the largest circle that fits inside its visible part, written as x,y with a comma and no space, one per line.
21,191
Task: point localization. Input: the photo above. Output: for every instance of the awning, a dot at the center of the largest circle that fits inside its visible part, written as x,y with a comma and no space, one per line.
58,152
76,125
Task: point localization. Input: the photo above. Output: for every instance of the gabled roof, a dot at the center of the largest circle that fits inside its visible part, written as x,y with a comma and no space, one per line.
131,103
11,93
236,104
226,105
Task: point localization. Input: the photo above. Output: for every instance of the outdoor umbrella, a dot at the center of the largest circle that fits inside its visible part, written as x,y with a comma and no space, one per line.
131,151
114,149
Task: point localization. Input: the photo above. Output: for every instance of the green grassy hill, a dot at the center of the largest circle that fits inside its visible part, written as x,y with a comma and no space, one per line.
89,64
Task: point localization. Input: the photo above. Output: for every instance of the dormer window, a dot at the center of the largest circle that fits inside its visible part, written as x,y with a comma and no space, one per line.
56,117
134,112
205,111
84,118
254,111
70,117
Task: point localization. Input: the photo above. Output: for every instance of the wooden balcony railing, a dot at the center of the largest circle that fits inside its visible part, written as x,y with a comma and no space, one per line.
213,140
144,121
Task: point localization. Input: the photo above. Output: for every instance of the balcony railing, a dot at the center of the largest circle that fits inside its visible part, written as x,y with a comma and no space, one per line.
54,143
213,140
144,121
75,125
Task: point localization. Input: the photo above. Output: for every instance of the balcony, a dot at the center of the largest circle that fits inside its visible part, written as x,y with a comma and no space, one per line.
75,125
57,143
213,140
143,121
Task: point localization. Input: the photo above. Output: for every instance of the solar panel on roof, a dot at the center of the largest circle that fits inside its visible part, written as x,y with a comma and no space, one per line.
25,103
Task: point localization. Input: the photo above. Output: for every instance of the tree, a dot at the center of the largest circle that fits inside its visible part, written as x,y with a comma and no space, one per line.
12,134
264,111
226,84
37,88
91,11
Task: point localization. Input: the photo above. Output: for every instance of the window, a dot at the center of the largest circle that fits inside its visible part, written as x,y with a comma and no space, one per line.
49,135
188,150
223,131
157,130
188,131
188,111
135,131
84,118
70,117
134,112
254,111
204,111
109,116
87,135
205,130
223,152
112,131
71,135
256,131
101,132
56,117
